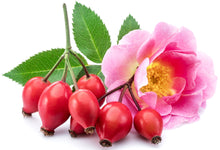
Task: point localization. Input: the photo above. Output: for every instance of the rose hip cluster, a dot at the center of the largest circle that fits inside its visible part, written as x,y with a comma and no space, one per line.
56,102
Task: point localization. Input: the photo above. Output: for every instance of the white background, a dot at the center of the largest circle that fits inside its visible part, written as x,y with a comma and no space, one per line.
28,27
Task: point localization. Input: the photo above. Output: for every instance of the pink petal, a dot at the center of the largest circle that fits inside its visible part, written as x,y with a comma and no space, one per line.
178,86
156,44
163,108
119,63
200,85
187,105
206,73
176,121
163,32
146,50
184,40
203,105
166,119
114,96
135,37
184,65
150,98
140,78
173,47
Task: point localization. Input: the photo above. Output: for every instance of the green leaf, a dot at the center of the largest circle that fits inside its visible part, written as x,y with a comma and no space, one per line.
90,33
40,64
101,75
129,24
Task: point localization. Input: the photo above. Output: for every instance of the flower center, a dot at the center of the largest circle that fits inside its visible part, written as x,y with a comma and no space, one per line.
159,80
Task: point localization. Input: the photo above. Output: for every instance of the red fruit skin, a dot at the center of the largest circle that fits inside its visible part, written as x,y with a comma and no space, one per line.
31,94
94,84
75,128
53,105
114,122
148,123
84,107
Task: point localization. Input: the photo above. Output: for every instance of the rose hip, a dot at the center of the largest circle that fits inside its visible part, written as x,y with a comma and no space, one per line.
84,108
75,128
31,94
114,123
94,84
149,124
53,106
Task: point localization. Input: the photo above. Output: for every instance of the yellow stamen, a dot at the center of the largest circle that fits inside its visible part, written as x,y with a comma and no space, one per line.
159,80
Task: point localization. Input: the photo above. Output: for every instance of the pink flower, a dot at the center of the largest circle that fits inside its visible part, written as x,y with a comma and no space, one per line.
170,75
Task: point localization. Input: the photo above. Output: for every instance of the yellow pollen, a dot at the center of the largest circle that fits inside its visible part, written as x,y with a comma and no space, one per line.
159,80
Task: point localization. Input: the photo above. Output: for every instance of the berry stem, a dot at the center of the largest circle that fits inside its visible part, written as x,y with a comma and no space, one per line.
117,88
122,93
131,92
53,68
71,71
65,73
125,86
81,62
112,91
133,97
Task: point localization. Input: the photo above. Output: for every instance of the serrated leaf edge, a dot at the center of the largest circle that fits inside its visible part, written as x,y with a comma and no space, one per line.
126,19
77,4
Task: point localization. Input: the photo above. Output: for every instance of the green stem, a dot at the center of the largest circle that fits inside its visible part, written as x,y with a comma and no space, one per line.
53,68
68,45
81,62
71,71
65,73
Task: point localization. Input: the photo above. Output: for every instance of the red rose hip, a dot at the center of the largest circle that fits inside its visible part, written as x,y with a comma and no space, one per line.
84,108
31,94
94,84
114,123
75,128
149,124
53,106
